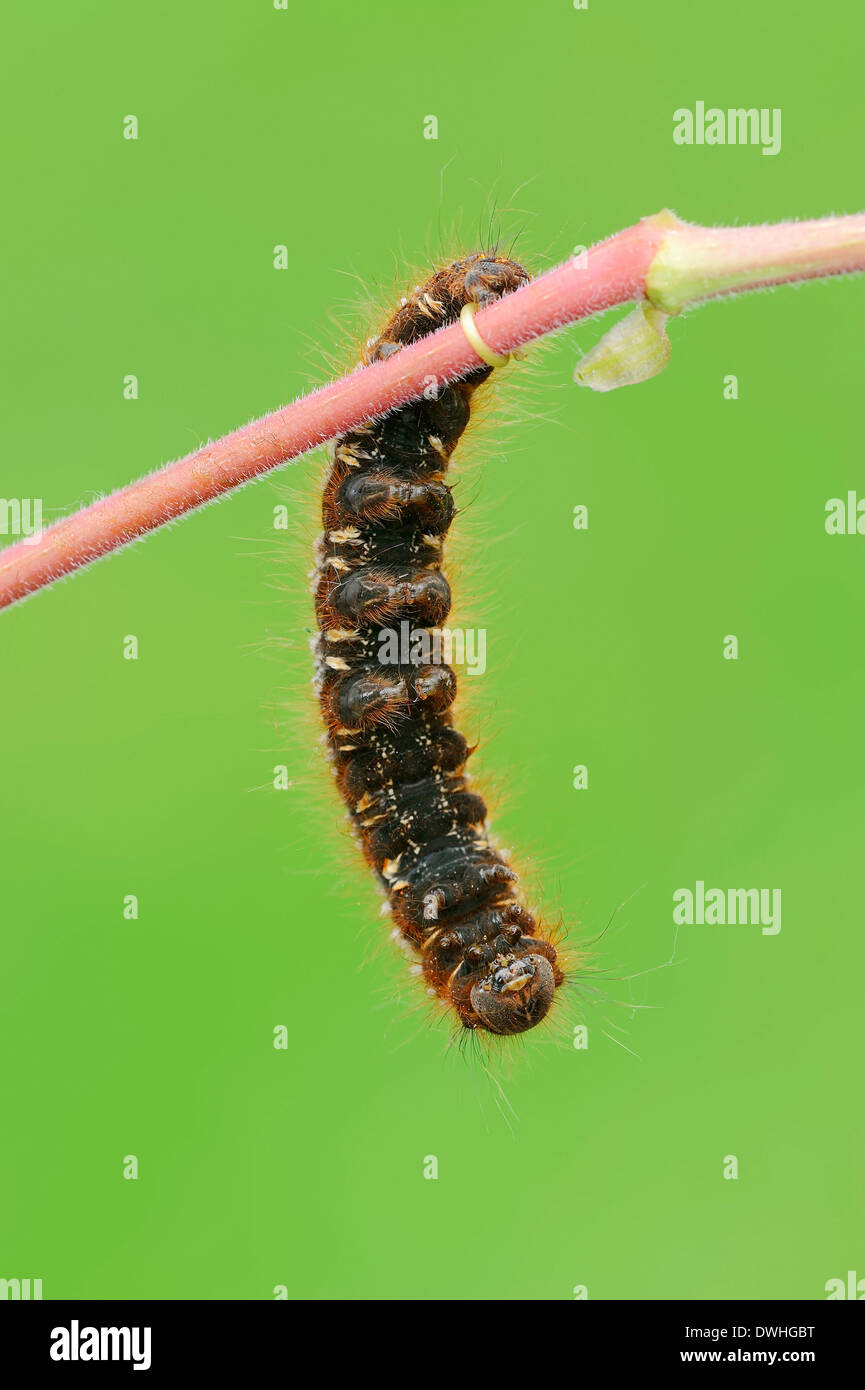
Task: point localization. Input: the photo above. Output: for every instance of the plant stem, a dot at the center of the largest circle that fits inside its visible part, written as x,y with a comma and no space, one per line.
667,262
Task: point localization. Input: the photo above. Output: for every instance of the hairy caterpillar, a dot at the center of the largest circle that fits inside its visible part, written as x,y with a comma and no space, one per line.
399,762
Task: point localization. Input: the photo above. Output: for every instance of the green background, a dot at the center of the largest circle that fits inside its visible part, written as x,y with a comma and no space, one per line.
304,1167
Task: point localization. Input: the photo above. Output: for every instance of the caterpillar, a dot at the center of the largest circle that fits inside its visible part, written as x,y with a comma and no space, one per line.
399,763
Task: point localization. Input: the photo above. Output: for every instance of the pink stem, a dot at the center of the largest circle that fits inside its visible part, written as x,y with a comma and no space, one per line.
613,272
699,263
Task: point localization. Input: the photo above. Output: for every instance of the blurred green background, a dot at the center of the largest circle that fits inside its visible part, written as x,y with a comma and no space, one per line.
154,1037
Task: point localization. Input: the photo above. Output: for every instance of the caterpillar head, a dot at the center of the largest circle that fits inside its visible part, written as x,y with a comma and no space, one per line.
489,277
506,986
515,994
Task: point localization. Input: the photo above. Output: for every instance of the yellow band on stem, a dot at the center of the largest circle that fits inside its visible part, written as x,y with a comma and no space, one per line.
484,352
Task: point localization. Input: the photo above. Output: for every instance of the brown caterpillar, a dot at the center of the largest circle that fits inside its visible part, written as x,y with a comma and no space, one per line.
399,762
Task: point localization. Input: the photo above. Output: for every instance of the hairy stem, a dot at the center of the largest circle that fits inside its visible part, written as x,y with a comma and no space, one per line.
662,260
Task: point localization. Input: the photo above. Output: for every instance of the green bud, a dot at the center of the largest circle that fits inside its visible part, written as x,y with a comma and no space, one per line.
635,349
